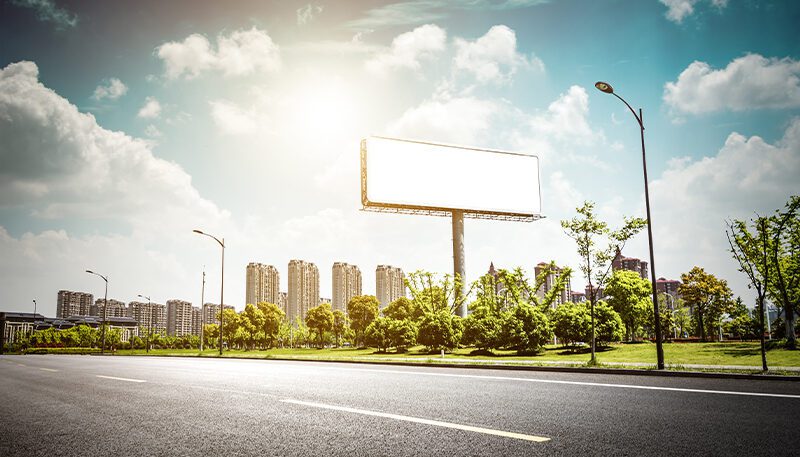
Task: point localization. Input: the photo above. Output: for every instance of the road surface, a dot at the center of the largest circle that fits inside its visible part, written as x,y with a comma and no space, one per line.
125,406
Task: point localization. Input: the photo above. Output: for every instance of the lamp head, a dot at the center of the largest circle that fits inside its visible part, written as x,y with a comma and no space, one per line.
604,87
198,231
90,272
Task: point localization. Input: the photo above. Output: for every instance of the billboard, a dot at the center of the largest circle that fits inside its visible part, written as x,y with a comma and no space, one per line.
428,178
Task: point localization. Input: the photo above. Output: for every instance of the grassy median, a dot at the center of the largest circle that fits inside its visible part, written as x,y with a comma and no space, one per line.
717,354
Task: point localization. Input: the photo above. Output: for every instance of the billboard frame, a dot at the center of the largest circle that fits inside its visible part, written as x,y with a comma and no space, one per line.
368,205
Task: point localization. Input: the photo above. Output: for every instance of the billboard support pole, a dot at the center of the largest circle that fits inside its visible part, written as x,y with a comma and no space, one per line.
459,267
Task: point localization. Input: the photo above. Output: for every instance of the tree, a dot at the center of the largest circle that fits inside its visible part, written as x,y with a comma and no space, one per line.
339,326
273,317
784,286
432,293
400,309
402,333
526,328
609,325
708,297
230,324
588,232
571,323
630,296
320,320
210,335
440,330
251,320
752,252
482,327
378,335
362,310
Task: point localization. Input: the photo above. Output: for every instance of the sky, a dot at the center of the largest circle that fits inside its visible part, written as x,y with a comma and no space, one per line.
126,125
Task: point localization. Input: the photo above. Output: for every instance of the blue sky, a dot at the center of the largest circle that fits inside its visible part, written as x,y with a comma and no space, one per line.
127,124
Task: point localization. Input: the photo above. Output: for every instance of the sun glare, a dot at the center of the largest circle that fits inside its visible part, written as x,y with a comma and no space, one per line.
323,110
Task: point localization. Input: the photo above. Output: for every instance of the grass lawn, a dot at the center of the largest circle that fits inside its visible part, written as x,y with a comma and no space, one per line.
727,353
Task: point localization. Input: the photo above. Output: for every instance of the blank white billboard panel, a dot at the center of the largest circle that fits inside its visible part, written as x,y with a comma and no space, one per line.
417,175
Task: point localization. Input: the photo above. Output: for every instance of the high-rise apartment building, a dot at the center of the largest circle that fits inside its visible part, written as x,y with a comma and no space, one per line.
211,312
621,262
71,303
116,308
346,285
197,320
179,317
303,290
283,298
149,316
550,281
389,284
262,283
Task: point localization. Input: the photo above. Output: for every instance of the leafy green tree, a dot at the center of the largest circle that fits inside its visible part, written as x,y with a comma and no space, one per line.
300,333
440,330
378,335
784,284
609,326
339,326
402,333
230,324
526,329
681,320
432,293
630,296
273,317
400,309
113,337
320,320
708,296
252,321
588,231
571,323
482,328
210,335
86,336
362,310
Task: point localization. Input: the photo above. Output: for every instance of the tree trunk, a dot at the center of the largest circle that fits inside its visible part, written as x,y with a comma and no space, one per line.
702,326
761,332
790,337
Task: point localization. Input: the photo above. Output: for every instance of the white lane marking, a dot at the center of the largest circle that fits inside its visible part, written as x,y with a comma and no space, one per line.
577,383
48,369
468,428
120,379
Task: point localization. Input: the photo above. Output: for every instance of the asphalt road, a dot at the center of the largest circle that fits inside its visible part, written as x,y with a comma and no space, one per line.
120,406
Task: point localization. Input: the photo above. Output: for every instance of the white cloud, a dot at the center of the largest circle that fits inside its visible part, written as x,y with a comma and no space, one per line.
151,109
693,198
113,90
232,119
409,49
749,82
48,11
87,171
152,131
678,10
307,13
243,52
493,58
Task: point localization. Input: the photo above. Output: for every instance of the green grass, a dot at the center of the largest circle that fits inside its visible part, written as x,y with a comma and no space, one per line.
728,353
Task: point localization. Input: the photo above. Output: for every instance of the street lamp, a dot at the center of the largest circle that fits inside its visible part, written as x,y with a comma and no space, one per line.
221,285
606,88
150,325
33,328
105,311
202,309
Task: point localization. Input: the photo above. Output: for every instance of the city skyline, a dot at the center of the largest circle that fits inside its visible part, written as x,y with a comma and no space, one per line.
244,121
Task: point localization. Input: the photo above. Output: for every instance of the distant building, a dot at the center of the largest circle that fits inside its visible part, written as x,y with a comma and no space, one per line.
550,282
211,313
588,293
179,317
116,308
577,297
12,324
149,316
71,303
197,320
668,286
346,285
303,290
263,282
389,284
282,301
621,262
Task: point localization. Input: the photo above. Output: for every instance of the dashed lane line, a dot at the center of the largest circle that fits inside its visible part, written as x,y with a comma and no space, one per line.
120,379
418,420
48,369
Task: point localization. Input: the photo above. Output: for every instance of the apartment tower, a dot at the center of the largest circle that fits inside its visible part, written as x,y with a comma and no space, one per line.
262,283
389,284
303,290
346,284
179,318
73,304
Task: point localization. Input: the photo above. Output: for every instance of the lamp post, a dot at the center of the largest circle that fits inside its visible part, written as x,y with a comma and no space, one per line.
105,311
150,322
221,284
202,310
606,88
34,317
